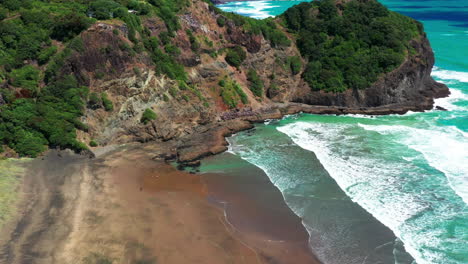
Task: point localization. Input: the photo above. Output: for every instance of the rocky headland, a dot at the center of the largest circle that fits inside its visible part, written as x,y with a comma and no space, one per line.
196,117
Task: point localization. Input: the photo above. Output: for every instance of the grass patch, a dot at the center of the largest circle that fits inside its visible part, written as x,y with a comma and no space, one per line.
232,93
11,172
97,258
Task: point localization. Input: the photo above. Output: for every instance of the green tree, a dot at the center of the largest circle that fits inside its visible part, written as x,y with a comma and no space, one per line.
69,25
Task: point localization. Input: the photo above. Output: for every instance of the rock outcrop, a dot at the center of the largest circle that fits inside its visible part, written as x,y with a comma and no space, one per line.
196,116
410,85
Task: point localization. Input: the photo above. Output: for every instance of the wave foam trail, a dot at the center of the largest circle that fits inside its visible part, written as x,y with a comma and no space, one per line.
450,75
255,9
359,177
448,102
445,148
390,186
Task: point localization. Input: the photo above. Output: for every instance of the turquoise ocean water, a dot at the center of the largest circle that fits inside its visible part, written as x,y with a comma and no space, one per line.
410,172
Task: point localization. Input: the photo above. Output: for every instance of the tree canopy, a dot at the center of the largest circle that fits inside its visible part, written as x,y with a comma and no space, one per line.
348,46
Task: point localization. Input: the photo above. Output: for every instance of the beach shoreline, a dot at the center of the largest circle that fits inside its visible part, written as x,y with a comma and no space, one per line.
124,206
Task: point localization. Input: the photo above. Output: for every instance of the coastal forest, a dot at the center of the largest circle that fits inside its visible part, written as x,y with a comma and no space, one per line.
343,45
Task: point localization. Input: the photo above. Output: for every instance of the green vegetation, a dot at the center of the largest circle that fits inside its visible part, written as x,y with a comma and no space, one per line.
11,172
221,21
148,115
93,143
351,47
266,27
44,55
256,84
235,56
194,44
94,102
295,64
346,48
106,9
26,77
27,125
108,105
231,92
97,258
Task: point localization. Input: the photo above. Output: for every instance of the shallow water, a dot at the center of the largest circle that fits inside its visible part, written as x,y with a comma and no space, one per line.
410,172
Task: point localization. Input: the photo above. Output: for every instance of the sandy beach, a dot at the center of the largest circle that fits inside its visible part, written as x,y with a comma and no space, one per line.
125,206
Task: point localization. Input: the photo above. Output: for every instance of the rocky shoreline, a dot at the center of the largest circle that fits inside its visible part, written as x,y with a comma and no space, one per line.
210,139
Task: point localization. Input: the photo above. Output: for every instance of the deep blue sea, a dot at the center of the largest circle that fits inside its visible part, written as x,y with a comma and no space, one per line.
409,172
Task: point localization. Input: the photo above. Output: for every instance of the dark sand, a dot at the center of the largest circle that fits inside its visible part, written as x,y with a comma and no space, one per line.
125,207
255,208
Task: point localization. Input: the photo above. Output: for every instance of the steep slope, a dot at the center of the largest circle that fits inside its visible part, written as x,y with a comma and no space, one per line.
189,67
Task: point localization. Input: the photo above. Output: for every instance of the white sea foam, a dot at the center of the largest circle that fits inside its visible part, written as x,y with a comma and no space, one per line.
450,75
376,184
444,148
354,174
254,9
447,102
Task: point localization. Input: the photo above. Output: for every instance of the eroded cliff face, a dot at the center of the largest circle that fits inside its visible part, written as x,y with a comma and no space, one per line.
410,85
106,64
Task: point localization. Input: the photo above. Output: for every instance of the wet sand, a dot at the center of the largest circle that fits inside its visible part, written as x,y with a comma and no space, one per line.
255,208
126,207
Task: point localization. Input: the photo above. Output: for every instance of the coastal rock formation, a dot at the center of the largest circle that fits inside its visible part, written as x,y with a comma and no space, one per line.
410,84
181,113
201,71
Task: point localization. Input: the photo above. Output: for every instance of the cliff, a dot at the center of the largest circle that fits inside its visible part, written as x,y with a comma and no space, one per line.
213,75
409,86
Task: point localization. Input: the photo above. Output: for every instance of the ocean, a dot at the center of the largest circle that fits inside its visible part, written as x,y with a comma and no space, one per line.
352,178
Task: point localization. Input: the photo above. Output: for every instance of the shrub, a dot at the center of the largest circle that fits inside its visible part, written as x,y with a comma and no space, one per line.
46,54
26,77
235,56
103,9
12,4
172,50
166,64
295,64
173,91
3,13
99,75
137,71
29,143
76,44
183,85
108,105
194,44
94,102
164,37
93,143
256,84
148,115
151,43
221,21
